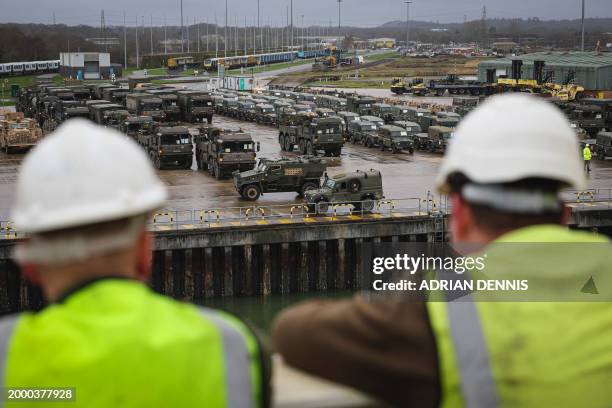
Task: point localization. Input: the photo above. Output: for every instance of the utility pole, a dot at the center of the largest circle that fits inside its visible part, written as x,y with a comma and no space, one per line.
408,3
259,26
207,36
182,30
165,36
225,32
339,22
151,34
124,42
198,24
216,38
137,46
188,38
292,27
245,35
54,18
582,43
302,32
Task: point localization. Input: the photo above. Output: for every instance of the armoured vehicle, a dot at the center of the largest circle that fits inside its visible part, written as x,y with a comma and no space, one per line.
383,111
603,146
411,127
311,134
223,151
361,105
361,132
170,105
196,106
134,125
279,176
168,146
394,138
264,113
143,104
435,140
19,134
359,188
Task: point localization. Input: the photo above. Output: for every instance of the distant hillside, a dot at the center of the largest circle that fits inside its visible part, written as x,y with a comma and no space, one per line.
530,24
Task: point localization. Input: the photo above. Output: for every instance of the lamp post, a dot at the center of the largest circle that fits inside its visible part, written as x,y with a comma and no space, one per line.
408,3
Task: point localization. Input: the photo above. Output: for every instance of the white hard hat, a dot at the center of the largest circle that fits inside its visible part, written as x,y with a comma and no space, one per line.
84,174
510,138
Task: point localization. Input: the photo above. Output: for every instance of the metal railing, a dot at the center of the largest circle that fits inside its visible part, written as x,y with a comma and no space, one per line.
600,197
235,216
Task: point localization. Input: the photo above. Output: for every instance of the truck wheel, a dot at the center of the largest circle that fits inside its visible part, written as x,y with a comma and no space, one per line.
322,207
368,204
281,142
251,192
309,185
210,166
411,150
157,162
188,164
302,146
288,145
217,171
209,119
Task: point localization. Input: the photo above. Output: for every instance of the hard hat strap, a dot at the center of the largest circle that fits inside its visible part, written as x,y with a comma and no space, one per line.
512,200
77,246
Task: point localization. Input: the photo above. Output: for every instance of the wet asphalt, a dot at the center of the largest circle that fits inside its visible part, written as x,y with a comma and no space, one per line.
404,175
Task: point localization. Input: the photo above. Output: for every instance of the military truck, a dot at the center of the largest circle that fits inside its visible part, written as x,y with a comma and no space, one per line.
325,112
102,113
361,131
590,118
361,105
447,119
143,104
65,110
223,151
361,189
168,146
603,145
347,118
400,113
228,106
80,92
311,134
375,120
264,114
98,90
196,106
245,110
383,111
135,125
435,140
170,105
394,138
280,176
19,135
411,127
116,95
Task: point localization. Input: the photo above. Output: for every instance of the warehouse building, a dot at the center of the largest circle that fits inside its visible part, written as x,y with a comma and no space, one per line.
88,65
591,70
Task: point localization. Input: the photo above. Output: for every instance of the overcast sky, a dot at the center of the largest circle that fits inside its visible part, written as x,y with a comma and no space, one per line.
364,13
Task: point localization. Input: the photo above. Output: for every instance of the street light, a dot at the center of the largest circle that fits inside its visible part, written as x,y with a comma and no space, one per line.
408,3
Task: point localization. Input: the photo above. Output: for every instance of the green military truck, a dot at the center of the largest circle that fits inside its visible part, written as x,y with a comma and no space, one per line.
196,106
170,105
168,146
280,176
311,134
143,104
223,151
383,111
603,146
102,114
394,138
361,105
134,125
361,131
435,140
361,189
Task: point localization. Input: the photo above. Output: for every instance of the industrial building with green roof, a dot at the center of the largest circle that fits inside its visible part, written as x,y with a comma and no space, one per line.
591,70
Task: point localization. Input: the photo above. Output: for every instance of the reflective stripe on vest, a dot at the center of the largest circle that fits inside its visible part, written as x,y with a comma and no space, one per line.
477,384
7,326
237,361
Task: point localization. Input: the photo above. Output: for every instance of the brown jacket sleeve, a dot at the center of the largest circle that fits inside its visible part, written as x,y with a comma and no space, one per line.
384,348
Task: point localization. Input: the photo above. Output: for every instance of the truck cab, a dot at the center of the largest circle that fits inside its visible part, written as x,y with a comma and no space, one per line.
196,106
438,138
264,113
168,146
170,105
411,127
144,104
223,151
361,189
603,145
277,176
383,111
361,131
394,138
134,125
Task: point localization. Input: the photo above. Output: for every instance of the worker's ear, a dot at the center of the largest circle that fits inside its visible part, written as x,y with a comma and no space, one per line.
144,255
461,218
31,273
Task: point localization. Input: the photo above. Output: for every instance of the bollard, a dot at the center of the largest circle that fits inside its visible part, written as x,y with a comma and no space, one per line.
589,194
262,212
165,214
205,216
300,207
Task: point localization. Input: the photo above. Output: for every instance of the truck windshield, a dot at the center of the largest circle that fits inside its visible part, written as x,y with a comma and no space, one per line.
367,128
328,129
175,139
398,135
201,102
237,147
150,106
134,127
